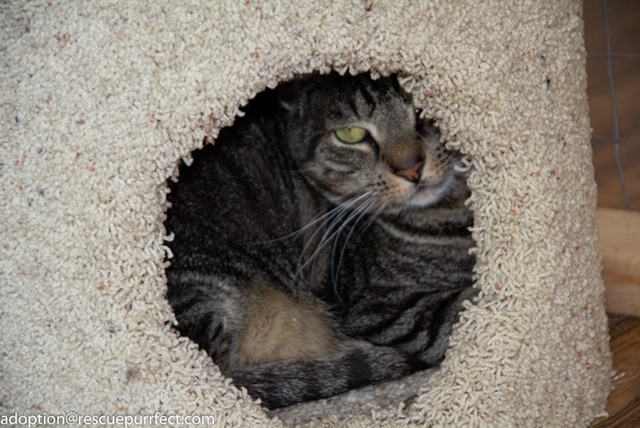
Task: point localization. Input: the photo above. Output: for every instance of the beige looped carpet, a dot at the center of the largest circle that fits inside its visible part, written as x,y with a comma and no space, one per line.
101,99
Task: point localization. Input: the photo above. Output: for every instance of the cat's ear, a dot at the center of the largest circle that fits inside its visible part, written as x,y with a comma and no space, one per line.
294,93
430,123
289,94
426,125
425,121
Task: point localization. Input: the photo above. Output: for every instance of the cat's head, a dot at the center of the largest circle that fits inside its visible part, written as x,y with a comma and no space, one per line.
353,136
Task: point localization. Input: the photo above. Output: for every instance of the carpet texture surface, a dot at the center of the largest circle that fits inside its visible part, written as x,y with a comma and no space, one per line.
100,101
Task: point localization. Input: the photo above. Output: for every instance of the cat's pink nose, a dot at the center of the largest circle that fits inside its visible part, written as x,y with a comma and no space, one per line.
411,173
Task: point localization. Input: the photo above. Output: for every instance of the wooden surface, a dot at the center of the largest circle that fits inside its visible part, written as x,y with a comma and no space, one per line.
624,402
619,233
613,62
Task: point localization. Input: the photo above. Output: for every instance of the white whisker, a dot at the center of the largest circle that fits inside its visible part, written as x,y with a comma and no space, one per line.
321,217
374,216
335,269
337,216
336,225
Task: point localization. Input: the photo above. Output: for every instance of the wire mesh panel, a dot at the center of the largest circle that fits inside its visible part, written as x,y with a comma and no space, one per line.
613,64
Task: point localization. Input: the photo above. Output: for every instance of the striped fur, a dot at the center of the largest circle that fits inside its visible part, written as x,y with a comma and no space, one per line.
307,266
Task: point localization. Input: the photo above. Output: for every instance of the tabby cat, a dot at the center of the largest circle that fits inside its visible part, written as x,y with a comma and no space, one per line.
322,243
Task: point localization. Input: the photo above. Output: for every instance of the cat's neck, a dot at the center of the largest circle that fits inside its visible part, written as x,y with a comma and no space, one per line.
428,222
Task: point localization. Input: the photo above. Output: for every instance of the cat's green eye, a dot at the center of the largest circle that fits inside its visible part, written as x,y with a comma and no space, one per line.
351,134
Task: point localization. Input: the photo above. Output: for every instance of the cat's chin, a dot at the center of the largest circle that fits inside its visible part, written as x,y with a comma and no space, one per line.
425,197
430,193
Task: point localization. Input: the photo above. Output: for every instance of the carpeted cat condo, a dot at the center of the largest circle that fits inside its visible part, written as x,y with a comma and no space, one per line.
101,100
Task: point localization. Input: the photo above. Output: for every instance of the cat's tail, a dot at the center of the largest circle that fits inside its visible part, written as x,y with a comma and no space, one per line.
280,384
